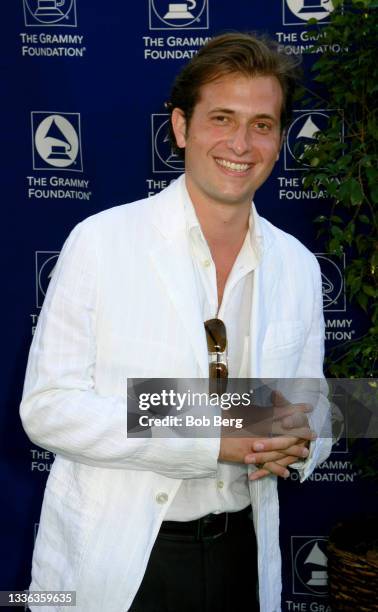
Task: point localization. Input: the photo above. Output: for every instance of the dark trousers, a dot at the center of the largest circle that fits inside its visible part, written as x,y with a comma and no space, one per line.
201,573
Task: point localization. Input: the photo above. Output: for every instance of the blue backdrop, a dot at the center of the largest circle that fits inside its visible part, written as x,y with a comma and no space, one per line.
84,128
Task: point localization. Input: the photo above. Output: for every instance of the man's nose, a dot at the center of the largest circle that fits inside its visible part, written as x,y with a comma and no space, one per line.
240,140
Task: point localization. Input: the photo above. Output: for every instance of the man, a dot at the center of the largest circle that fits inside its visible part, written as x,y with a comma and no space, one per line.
129,298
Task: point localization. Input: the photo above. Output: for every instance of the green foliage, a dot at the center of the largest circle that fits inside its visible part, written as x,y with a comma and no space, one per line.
345,165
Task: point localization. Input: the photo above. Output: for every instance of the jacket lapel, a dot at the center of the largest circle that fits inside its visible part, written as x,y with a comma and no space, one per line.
172,260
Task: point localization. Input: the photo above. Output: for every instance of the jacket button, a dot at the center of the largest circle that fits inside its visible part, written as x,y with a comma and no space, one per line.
161,498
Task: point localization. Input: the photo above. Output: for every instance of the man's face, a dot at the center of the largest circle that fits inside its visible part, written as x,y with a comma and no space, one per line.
233,138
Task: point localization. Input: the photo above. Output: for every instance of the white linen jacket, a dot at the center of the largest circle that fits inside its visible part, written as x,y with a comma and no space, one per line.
122,303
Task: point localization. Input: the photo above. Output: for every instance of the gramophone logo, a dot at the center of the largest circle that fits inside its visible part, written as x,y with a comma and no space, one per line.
297,11
333,286
301,134
56,141
60,13
164,158
309,565
45,262
191,15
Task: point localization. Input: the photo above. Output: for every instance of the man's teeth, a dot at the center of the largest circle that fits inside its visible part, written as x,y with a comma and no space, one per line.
232,165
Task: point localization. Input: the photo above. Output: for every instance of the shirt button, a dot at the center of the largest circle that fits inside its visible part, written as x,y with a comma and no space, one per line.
220,484
161,498
206,263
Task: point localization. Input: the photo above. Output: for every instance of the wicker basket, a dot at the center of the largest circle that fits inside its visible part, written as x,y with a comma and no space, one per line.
353,566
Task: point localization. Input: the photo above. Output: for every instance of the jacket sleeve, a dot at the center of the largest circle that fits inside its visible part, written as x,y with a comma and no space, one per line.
61,409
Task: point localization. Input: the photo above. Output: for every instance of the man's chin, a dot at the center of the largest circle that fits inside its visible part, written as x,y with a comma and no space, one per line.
240,199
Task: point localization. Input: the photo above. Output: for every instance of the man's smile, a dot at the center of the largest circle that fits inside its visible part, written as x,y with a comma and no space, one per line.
233,166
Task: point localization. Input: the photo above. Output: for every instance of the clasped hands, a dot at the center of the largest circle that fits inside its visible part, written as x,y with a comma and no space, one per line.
273,455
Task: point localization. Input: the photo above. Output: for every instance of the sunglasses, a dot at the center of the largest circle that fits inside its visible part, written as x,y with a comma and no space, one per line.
216,337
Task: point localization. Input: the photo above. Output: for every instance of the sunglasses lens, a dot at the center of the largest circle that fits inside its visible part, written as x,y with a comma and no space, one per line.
216,345
216,336
218,379
218,370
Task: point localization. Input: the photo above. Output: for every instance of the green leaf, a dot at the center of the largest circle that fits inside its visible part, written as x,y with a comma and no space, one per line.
371,173
343,162
355,285
362,299
335,246
337,232
356,193
364,219
369,290
331,187
374,193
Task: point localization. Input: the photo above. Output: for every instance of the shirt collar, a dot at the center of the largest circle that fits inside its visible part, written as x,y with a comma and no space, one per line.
251,250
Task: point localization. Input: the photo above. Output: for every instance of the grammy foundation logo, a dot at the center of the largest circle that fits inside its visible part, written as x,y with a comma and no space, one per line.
50,12
191,15
56,141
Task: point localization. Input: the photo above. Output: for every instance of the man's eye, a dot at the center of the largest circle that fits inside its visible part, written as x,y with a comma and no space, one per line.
222,119
262,126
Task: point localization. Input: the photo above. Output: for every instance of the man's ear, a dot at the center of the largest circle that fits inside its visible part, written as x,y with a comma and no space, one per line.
179,127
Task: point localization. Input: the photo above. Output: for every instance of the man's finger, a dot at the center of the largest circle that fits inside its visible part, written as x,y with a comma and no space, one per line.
297,451
297,419
278,399
271,467
272,444
277,468
290,409
260,458
259,474
304,432
281,443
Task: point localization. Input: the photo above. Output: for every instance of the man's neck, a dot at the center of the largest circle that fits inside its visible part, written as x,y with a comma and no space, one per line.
224,225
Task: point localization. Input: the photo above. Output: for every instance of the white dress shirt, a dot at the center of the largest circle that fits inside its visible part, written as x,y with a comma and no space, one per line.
228,492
